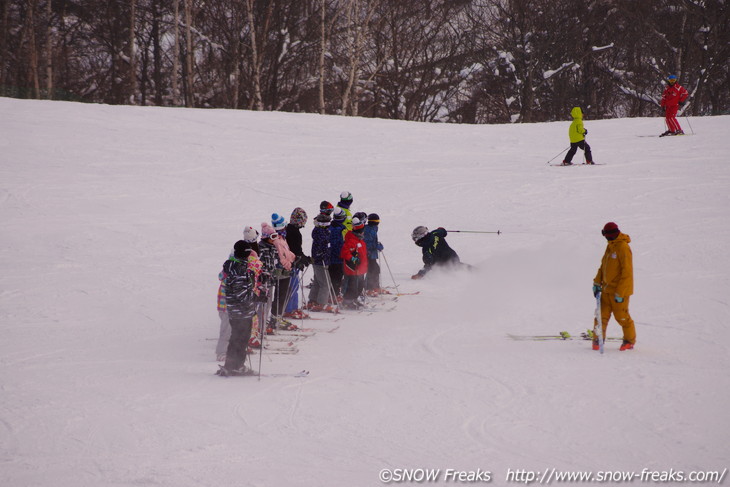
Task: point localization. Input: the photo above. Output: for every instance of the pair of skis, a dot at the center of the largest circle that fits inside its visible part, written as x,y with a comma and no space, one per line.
252,373
596,334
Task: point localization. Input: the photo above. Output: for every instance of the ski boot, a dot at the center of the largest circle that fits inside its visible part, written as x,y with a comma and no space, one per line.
626,345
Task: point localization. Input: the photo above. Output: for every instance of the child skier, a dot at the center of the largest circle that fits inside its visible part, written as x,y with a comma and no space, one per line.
294,240
344,204
436,252
336,240
250,235
241,289
355,264
320,291
577,135
372,280
224,333
278,261
673,97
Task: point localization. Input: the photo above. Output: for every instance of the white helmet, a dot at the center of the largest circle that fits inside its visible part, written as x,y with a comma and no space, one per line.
418,233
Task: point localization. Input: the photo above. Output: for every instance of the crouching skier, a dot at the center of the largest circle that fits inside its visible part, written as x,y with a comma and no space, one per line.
242,292
436,252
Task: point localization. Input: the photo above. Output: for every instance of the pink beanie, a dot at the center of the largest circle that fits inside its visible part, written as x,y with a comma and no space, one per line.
267,230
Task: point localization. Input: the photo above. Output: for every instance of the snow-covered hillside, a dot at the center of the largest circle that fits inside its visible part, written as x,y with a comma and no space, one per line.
116,220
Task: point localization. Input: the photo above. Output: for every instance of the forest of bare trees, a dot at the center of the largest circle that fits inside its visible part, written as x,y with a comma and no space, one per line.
466,61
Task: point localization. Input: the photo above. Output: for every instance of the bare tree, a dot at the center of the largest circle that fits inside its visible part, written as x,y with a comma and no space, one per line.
189,65
176,54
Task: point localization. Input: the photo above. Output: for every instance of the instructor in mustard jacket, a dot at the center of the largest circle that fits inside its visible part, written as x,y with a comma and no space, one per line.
615,280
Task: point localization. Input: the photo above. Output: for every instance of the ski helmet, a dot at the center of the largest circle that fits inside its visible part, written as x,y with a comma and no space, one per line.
418,233
373,219
672,78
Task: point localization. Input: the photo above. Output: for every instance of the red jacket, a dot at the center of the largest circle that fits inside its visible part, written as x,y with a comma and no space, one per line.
354,243
673,95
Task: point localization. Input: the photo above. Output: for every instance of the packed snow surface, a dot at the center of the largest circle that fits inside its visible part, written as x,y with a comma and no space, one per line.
116,221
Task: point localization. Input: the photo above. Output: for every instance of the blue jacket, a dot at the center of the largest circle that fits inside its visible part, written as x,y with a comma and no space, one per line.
371,240
336,242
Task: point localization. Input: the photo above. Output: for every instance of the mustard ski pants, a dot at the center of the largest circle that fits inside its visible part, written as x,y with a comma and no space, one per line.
620,313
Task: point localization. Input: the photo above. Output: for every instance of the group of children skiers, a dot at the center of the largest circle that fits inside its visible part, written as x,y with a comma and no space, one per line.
259,282
261,277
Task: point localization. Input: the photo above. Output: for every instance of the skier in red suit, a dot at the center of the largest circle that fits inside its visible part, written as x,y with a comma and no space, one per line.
673,97
355,264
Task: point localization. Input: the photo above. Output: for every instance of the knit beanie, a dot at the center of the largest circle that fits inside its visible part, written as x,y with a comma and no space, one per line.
357,225
298,217
267,230
326,208
250,234
610,230
339,215
277,221
345,199
322,220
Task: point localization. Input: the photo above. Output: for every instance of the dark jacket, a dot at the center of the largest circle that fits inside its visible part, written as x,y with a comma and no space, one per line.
239,283
436,251
321,246
270,259
294,239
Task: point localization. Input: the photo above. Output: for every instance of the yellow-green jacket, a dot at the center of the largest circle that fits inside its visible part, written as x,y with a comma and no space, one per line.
616,274
576,132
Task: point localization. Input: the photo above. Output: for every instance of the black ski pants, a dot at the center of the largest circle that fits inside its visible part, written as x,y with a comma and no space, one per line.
574,148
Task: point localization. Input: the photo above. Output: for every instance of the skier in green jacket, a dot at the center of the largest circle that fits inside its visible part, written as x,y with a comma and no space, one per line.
577,138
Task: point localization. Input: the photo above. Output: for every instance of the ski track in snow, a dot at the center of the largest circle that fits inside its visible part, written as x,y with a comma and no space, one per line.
116,221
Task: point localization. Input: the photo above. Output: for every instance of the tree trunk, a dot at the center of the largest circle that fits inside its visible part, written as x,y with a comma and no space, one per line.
157,53
176,56
257,101
322,49
189,102
33,68
132,53
49,50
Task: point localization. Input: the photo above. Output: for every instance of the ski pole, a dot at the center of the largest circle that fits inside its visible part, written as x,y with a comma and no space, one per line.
331,290
599,323
498,232
558,155
690,125
262,322
385,259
